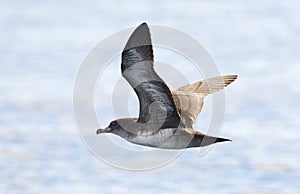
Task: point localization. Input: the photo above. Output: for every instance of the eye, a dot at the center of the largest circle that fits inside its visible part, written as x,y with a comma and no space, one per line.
114,124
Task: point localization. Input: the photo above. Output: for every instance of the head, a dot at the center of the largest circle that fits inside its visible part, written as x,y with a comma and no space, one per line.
112,127
118,127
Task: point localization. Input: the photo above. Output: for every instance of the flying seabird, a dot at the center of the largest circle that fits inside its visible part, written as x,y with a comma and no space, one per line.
165,118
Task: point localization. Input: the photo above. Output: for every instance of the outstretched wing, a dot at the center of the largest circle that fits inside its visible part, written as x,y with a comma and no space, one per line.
155,98
189,99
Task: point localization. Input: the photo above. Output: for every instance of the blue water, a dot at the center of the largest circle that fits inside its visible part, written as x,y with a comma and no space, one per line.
42,45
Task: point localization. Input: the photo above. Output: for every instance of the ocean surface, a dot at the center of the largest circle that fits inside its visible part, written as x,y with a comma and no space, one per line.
43,45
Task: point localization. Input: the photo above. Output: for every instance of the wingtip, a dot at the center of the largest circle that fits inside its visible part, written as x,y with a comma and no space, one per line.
228,79
232,77
235,76
139,37
143,26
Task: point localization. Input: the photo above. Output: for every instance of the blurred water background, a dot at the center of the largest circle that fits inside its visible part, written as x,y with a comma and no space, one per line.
42,44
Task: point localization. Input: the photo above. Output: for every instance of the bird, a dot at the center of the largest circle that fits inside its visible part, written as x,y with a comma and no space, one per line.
166,117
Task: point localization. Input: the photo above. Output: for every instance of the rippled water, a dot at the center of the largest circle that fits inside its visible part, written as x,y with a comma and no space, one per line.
43,43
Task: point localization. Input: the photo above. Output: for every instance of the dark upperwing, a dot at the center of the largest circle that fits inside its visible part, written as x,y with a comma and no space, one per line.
155,98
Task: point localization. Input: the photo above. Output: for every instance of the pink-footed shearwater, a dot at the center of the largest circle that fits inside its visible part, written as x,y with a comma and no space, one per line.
165,117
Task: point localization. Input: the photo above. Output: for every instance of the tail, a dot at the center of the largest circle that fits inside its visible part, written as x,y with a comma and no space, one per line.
200,140
210,85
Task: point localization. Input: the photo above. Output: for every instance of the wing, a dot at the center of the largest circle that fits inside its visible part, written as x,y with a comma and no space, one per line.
154,95
189,105
210,85
189,99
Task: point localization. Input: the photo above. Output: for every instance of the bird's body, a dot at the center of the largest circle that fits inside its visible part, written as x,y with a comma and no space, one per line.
173,138
166,118
167,138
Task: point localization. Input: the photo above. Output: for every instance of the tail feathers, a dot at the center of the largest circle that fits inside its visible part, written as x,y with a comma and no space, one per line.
207,140
220,139
201,140
210,85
